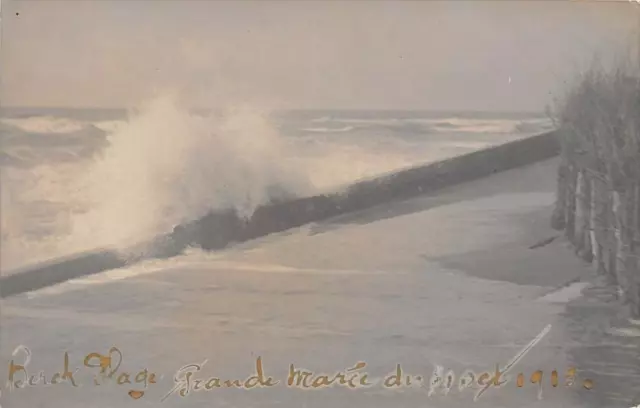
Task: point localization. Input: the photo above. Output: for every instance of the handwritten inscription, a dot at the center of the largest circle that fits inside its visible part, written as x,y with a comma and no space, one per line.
19,376
350,378
108,365
109,368
185,383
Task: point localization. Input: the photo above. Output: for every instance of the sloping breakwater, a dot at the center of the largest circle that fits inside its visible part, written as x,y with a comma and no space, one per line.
219,229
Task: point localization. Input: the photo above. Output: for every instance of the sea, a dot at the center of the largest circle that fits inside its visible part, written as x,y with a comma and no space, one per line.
77,179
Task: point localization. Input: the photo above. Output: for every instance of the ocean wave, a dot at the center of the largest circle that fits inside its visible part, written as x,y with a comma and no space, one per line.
329,130
393,124
444,125
87,134
26,149
120,182
110,125
161,167
496,126
164,166
322,119
167,166
368,121
476,126
45,124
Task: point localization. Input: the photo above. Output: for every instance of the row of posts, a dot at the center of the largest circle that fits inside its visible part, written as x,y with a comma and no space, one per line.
599,213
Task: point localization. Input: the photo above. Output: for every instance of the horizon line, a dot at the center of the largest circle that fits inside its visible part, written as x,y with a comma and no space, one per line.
431,110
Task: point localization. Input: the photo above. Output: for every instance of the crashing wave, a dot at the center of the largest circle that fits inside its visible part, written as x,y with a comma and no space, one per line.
330,130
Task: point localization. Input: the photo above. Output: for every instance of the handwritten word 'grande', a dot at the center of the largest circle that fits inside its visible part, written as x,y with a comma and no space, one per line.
185,383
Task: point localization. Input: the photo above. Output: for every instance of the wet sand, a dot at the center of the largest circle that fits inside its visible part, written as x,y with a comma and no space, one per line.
447,279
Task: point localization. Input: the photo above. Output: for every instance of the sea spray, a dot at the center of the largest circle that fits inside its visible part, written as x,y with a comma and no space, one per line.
76,179
167,166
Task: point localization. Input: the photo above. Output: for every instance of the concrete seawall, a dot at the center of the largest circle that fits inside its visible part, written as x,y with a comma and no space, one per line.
217,230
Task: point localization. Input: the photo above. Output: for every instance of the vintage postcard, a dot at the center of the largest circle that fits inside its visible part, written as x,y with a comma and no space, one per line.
320,203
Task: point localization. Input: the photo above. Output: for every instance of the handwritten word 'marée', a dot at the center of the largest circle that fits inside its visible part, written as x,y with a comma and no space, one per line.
307,379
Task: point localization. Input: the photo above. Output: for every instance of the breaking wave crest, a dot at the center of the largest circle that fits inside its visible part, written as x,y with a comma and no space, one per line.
168,166
85,180
329,130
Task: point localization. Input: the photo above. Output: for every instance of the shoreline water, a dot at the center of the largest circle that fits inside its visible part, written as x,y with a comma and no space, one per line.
217,230
85,179
456,266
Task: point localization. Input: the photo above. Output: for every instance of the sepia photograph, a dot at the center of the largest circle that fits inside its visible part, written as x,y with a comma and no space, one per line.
320,203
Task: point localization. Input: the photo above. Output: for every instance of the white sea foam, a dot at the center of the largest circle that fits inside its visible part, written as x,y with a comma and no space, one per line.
167,166
110,125
163,165
330,130
45,124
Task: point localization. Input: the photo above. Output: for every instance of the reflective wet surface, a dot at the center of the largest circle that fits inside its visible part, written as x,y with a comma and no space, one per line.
448,280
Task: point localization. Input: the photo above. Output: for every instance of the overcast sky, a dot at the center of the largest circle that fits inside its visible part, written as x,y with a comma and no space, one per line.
303,54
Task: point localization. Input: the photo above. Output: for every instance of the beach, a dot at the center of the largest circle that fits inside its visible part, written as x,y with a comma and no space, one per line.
373,286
